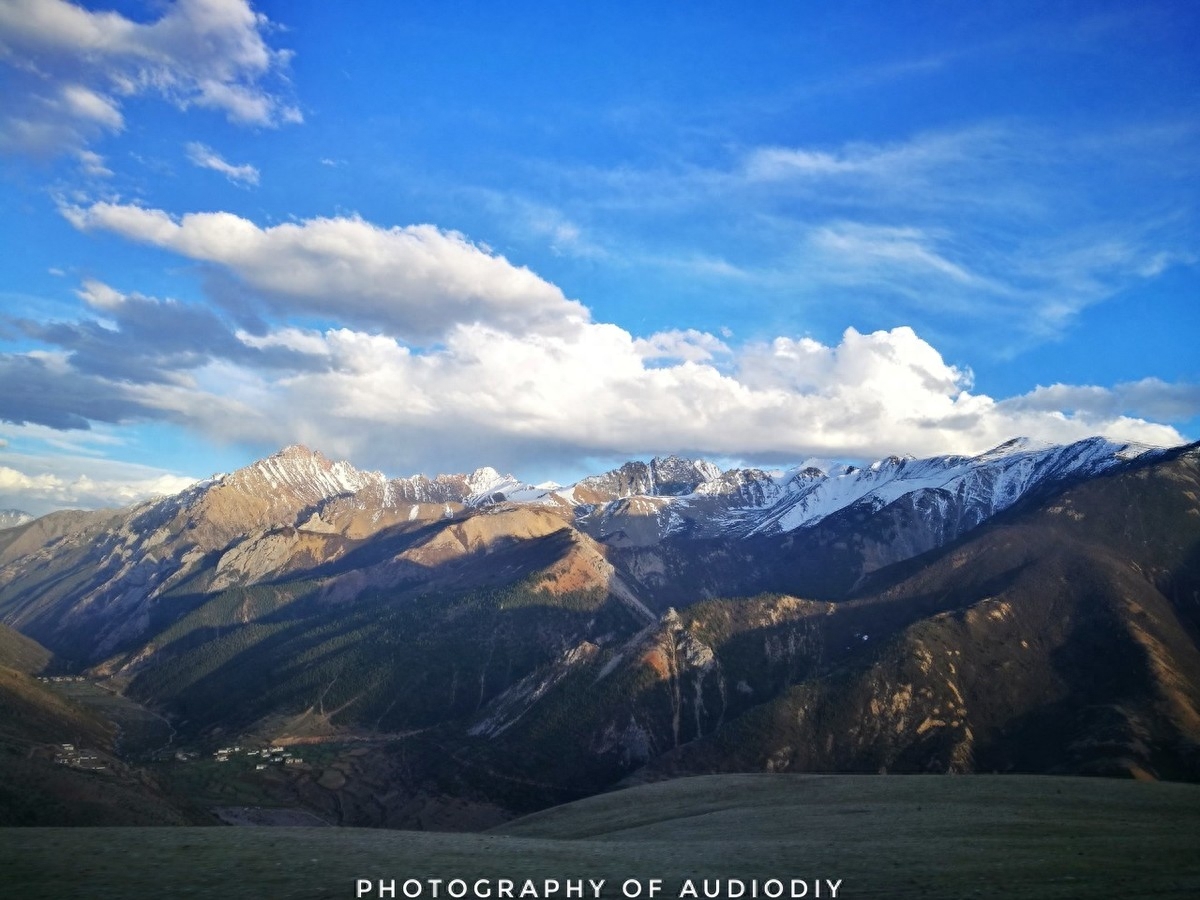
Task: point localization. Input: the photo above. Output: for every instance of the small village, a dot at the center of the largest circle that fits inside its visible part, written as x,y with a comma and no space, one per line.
69,755
261,757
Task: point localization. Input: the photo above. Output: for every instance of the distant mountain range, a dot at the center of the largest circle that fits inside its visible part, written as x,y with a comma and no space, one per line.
10,518
470,646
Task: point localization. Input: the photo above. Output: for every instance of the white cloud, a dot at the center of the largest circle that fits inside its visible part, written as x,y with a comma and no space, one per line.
441,352
415,281
488,396
866,248
84,103
919,159
207,158
1149,397
39,485
99,295
93,164
686,346
71,68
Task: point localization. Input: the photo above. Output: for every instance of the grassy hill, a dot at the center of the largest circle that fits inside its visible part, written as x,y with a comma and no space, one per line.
22,654
930,837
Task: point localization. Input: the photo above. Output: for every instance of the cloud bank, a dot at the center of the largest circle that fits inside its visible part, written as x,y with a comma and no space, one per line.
442,355
41,486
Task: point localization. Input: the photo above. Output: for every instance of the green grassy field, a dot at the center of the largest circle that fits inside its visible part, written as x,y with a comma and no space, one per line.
890,836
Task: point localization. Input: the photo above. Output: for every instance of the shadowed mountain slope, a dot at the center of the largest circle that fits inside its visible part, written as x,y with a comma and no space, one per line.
1030,610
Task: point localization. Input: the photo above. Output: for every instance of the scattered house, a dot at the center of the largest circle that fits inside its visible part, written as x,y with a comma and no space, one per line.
260,766
293,761
277,749
69,756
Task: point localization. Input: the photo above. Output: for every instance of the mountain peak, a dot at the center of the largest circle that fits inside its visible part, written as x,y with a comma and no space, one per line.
305,474
486,480
1015,445
296,451
674,476
10,518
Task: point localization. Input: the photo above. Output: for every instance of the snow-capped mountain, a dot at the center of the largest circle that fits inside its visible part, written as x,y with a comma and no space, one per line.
296,509
10,518
703,501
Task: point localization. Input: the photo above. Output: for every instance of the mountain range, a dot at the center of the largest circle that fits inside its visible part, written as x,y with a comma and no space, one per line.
12,517
468,647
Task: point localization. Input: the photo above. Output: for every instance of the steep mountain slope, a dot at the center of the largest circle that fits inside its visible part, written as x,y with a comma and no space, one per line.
510,646
89,584
1062,638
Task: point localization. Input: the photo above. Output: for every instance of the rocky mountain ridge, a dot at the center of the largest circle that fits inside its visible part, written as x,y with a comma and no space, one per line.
297,509
1030,609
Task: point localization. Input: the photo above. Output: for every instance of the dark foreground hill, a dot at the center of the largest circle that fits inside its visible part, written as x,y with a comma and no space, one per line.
927,837
59,762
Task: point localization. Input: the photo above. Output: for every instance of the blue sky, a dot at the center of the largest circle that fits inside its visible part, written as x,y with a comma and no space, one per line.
429,237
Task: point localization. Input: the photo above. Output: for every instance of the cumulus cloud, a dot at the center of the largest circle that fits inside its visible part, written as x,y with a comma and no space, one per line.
505,399
98,366
690,345
70,69
207,158
441,354
415,282
41,485
486,395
